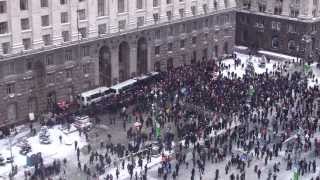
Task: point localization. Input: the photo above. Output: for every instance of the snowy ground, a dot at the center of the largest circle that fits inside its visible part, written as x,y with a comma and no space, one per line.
50,152
269,67
316,81
240,71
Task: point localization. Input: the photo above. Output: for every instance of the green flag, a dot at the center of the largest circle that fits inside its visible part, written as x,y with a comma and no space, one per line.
158,130
295,174
306,67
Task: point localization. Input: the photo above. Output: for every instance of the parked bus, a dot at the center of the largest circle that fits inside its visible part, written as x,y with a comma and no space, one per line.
124,86
95,95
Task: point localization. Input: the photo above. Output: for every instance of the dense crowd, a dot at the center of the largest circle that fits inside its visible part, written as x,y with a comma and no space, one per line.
238,120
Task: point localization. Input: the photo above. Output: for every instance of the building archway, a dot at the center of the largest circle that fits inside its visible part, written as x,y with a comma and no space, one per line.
105,66
216,51
142,56
169,64
194,57
51,101
226,48
124,59
157,66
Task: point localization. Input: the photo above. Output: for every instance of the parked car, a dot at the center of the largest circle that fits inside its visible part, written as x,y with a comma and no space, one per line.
2,160
25,150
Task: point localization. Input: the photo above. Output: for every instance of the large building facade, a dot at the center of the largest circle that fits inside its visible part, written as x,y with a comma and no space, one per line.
285,26
52,50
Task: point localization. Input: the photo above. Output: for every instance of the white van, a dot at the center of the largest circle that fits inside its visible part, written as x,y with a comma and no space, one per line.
95,95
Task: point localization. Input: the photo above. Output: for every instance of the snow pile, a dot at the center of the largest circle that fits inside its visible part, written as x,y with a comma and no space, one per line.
256,61
54,150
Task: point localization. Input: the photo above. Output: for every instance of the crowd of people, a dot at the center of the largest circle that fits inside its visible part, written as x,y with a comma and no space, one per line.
236,120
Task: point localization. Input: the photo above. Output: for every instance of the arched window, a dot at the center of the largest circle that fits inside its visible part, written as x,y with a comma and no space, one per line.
275,42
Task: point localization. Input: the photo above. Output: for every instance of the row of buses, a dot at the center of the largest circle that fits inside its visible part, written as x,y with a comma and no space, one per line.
96,95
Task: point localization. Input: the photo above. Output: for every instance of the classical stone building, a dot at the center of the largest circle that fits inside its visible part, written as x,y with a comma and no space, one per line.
284,26
52,50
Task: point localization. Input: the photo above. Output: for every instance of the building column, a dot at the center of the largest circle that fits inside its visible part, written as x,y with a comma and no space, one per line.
96,72
114,64
133,60
149,58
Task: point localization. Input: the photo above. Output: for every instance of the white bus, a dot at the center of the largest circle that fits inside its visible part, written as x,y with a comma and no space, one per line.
95,95
124,86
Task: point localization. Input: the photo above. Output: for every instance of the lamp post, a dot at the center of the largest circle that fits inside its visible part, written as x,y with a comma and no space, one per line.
11,156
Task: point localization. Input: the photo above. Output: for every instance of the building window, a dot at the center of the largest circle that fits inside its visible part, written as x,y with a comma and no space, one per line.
314,13
65,36
82,14
51,79
122,24
6,48
46,39
102,28
62,2
194,40
86,68
45,20
155,3
25,24
10,68
68,55
3,27
26,43
157,50
101,7
170,31
3,7
205,8
181,12
182,28
262,7
157,34
182,43
139,4
169,15
193,10
206,23
10,88
170,47
44,3
140,21
226,3
85,51
29,65
49,60
69,73
294,13
23,5
155,17
275,25
194,25
169,1
275,42
64,17
292,28
121,6
292,45
277,10
83,32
